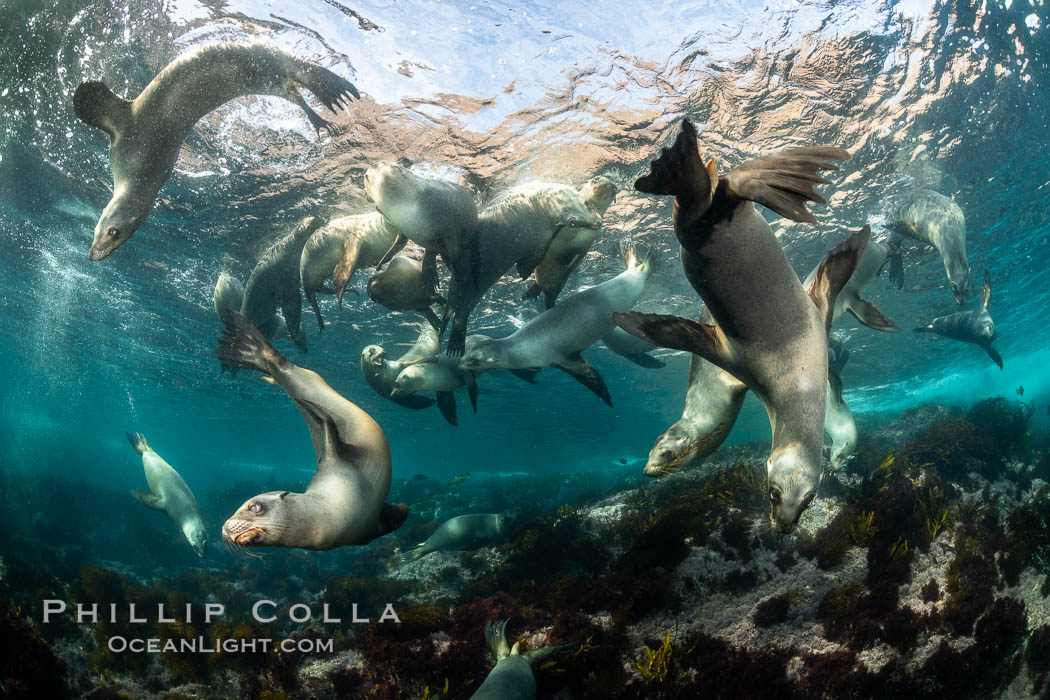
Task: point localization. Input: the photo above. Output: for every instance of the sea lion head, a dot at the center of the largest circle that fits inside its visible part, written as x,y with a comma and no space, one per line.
388,183
484,354
262,521
676,447
792,486
121,217
373,356
408,382
985,328
959,279
598,193
197,536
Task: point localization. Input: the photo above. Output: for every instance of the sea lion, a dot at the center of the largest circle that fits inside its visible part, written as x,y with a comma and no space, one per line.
169,493
768,332
440,217
380,372
557,336
441,374
515,229
569,248
712,403
344,503
839,425
275,281
634,349
512,677
462,532
145,134
339,248
401,286
838,355
229,294
932,218
871,262
975,326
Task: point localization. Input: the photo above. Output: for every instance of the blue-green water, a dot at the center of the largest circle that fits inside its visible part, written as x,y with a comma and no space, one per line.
944,96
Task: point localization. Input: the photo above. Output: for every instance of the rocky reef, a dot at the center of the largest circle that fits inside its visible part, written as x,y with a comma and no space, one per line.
921,571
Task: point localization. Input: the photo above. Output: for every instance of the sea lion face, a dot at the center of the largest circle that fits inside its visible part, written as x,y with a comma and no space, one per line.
959,279
792,488
985,328
598,193
197,536
373,356
676,447
119,220
408,382
387,183
261,521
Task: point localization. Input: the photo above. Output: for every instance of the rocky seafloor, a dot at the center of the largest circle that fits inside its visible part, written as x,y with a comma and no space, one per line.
921,571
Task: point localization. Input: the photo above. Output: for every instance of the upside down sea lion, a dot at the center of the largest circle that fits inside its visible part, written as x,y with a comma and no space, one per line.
380,373
875,255
441,374
401,286
169,493
931,218
975,326
345,502
145,134
768,332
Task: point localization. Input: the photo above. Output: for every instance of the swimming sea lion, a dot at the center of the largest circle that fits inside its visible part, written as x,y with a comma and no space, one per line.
229,294
569,248
512,677
401,286
932,218
870,264
340,247
768,332
344,503
441,374
462,532
169,493
634,349
275,281
557,336
515,229
712,404
380,372
975,326
145,134
838,355
839,425
440,217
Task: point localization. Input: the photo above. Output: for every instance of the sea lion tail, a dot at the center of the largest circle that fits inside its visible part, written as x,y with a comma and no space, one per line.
834,271
496,639
138,441
243,346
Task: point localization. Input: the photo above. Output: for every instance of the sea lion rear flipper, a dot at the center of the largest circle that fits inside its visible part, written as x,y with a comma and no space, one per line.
138,441
526,375
148,499
868,314
331,443
677,333
447,405
243,346
896,261
344,269
834,271
986,295
399,242
784,181
496,639
392,517
96,105
992,353
585,373
680,171
645,360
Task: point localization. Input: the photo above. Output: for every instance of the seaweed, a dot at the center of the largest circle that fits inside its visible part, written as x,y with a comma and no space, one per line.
28,666
772,610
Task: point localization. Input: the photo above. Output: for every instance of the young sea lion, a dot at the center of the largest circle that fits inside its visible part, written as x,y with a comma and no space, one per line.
146,133
839,425
768,332
169,493
975,326
380,373
556,337
344,503
930,217
569,248
462,532
441,374
401,286
871,262
516,229
339,248
275,282
229,294
512,677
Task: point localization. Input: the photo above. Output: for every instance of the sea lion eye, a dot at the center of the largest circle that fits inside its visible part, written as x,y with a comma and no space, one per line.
774,497
955,287
112,231
255,508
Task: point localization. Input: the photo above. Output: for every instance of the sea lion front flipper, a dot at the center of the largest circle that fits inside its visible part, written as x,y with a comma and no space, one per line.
584,372
525,266
414,401
986,295
148,499
344,269
994,354
431,317
784,181
447,405
311,296
532,292
472,388
292,310
868,314
896,261
645,360
243,346
680,171
430,270
677,333
834,271
550,297
96,105
400,241
331,444
316,121
835,382
392,517
526,375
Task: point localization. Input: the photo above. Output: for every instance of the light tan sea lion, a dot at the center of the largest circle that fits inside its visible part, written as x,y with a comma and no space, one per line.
344,504
229,294
462,532
380,373
931,218
875,255
145,134
401,286
769,333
